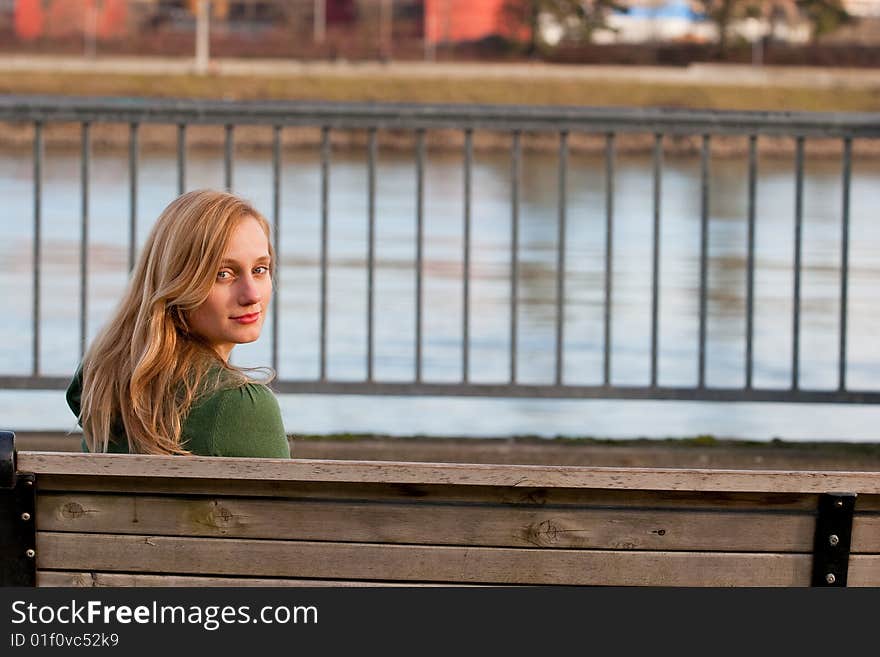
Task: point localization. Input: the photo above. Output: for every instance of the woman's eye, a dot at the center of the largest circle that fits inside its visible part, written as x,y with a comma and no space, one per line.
223,275
262,269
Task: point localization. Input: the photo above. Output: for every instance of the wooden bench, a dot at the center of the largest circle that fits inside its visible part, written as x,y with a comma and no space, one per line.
71,519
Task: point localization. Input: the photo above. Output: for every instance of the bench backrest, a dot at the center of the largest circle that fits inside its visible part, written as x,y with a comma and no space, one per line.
172,521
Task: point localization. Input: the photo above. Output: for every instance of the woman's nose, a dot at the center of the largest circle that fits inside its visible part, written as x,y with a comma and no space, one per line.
249,291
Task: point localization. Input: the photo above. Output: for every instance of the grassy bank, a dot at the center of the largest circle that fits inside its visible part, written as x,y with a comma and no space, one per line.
494,89
489,90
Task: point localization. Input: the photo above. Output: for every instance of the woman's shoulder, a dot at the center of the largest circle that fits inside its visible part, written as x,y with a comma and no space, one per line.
243,420
230,390
246,397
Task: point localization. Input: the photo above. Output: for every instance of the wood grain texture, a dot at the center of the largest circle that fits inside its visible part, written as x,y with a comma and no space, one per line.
360,561
122,520
639,454
864,570
102,465
865,533
432,493
419,522
868,503
79,579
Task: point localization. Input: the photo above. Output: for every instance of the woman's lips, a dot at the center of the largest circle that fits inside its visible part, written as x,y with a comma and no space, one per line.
246,319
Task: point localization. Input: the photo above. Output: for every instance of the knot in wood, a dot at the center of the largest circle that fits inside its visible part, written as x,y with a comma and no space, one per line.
72,510
545,532
222,515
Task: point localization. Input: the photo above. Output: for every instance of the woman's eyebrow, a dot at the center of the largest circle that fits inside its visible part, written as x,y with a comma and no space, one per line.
227,262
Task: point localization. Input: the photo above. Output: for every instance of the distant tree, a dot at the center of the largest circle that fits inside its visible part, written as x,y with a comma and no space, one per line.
780,12
824,16
523,17
774,12
721,13
578,18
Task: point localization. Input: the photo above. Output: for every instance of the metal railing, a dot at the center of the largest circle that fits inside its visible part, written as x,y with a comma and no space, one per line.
516,121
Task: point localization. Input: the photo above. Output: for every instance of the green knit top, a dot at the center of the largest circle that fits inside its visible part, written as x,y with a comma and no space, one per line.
241,421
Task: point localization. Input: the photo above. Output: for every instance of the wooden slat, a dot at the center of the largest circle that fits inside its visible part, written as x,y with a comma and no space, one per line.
541,476
865,533
641,454
55,578
868,503
260,558
864,570
436,493
425,523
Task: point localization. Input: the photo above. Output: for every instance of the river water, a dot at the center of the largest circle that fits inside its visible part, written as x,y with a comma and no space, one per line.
299,302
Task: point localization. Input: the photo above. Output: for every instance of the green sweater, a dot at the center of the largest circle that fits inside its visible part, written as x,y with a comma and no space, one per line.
243,421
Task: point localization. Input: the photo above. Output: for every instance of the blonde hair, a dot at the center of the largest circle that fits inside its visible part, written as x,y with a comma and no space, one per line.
145,368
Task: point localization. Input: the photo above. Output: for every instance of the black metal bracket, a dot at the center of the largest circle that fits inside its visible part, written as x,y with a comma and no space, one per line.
7,459
17,519
831,544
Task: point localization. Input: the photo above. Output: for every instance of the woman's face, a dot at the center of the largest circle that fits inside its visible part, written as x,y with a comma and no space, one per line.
235,309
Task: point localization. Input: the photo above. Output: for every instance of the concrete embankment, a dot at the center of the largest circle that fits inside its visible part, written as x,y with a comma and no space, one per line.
732,75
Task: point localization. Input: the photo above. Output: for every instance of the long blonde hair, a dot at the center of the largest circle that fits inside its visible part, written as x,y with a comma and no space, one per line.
145,368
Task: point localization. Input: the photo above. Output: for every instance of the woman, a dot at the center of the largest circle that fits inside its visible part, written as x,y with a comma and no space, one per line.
157,379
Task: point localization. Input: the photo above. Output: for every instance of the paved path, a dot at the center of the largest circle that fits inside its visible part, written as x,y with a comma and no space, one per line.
695,74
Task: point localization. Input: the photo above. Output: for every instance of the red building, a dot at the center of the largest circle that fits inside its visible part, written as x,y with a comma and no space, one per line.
56,18
451,21
443,21
114,19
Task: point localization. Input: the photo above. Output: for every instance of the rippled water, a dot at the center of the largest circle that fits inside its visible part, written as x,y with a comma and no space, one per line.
299,299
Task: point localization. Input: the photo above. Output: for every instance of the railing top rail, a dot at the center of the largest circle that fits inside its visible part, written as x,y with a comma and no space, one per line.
520,390
427,116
